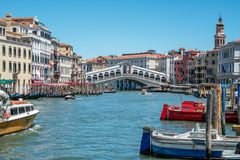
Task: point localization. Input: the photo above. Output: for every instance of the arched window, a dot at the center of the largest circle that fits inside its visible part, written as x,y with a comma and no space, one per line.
100,76
89,78
106,74
152,76
146,75
112,74
118,72
157,78
163,79
135,72
94,77
140,73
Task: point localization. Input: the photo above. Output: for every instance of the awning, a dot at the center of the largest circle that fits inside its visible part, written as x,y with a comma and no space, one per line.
4,81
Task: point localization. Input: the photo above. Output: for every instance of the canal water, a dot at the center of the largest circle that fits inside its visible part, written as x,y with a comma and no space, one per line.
108,126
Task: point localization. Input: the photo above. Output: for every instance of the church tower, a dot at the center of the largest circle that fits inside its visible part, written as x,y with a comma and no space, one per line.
219,36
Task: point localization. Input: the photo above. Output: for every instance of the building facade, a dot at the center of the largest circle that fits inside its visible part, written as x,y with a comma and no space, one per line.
65,62
16,59
149,60
229,63
41,44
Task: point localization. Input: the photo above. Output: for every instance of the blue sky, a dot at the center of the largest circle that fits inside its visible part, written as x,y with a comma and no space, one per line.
113,27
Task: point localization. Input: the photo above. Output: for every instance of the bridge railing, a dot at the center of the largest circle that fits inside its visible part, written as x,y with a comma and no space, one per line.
148,79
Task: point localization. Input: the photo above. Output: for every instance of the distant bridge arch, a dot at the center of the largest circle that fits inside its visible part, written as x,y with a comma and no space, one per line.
124,71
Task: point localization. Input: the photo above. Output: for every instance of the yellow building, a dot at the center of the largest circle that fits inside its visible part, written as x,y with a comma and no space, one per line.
15,60
65,49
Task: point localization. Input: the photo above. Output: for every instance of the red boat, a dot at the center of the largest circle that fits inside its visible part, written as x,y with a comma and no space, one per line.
190,111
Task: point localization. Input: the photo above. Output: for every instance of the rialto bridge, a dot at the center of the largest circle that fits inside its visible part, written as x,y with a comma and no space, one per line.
126,77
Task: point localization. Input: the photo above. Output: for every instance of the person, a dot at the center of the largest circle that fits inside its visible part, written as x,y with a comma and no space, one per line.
5,115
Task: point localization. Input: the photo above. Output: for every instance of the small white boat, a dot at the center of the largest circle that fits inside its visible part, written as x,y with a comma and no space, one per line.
144,91
69,97
191,144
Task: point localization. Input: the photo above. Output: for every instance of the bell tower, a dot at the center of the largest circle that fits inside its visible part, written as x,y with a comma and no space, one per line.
219,36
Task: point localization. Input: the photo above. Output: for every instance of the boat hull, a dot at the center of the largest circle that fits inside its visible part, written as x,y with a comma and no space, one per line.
199,116
182,153
172,146
16,125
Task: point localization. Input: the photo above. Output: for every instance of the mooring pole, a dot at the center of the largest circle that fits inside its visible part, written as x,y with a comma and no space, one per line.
238,100
223,109
209,124
215,110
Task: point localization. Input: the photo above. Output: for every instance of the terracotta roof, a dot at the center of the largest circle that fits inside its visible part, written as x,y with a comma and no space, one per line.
65,45
23,19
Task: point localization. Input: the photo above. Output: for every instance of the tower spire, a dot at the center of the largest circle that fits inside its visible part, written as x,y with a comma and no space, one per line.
219,36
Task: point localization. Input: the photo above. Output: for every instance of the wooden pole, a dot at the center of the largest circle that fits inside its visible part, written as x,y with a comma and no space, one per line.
223,109
209,125
215,110
238,111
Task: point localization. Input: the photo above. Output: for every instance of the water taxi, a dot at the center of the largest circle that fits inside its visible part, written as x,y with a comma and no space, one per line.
16,116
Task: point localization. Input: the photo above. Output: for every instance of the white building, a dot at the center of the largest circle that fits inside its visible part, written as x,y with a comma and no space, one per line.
229,62
65,68
147,60
166,65
41,46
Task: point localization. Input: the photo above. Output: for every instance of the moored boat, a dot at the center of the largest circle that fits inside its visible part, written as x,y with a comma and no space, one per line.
16,116
190,111
191,144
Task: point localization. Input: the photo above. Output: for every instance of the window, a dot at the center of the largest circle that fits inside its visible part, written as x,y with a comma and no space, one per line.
10,51
29,54
3,50
14,29
34,32
32,108
19,67
21,110
14,52
24,67
29,68
19,52
24,53
10,66
4,31
28,109
14,67
14,111
3,65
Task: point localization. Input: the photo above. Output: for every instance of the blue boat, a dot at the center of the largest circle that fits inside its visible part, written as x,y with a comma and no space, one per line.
191,144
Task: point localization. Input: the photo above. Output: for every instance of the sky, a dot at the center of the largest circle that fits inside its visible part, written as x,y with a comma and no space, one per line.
113,27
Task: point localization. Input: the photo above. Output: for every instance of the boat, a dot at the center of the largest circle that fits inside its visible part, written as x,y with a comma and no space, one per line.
16,116
110,91
16,96
144,91
190,145
191,111
69,96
